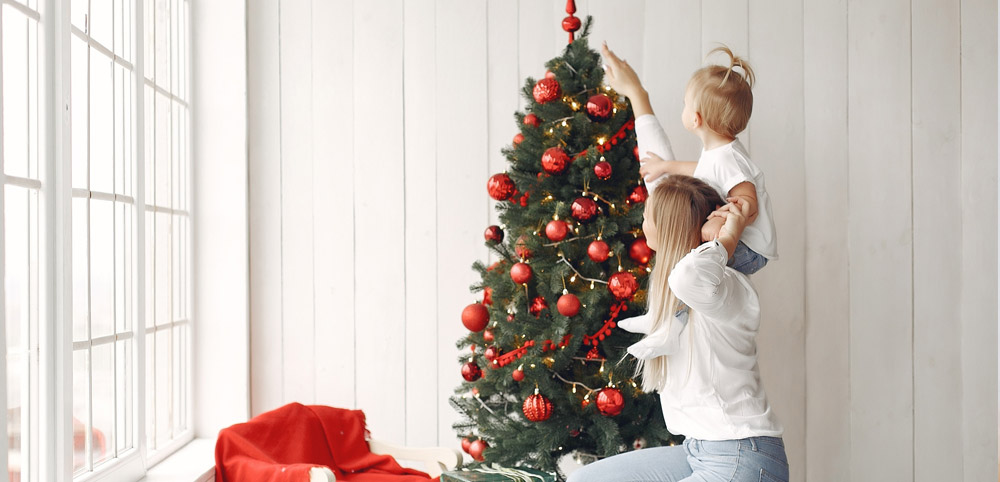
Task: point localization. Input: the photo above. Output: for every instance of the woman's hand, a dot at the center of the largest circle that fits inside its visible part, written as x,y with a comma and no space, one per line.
735,214
620,75
652,167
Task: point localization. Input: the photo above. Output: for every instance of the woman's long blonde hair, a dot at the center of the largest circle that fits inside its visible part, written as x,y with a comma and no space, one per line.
678,208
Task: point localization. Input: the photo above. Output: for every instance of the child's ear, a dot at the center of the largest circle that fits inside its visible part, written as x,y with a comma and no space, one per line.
697,120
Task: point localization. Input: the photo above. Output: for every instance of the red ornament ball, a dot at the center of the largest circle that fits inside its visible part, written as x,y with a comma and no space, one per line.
546,90
500,187
638,195
491,353
554,160
537,305
568,305
518,138
532,120
488,336
610,401
598,251
583,209
623,285
475,317
571,24
556,230
635,152
517,375
520,273
602,170
537,408
599,107
549,74
465,444
521,248
493,234
510,317
488,296
640,251
476,449
471,372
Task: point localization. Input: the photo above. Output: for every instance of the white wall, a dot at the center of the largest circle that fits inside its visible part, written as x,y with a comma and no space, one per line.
374,125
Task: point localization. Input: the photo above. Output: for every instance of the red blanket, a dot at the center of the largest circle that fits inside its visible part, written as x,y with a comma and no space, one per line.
283,444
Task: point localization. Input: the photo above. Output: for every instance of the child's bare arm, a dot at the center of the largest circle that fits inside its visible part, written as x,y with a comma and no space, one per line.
710,230
748,192
652,167
622,77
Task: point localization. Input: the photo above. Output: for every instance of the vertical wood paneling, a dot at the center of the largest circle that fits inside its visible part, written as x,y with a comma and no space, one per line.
503,84
264,110
726,22
537,39
827,345
937,168
776,52
379,217
461,174
421,223
880,240
297,201
621,24
979,238
333,201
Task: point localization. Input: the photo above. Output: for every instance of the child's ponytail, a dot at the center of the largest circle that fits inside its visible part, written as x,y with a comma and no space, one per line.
734,62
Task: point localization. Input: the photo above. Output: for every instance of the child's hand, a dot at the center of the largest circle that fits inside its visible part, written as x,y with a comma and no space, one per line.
735,214
710,230
619,74
652,167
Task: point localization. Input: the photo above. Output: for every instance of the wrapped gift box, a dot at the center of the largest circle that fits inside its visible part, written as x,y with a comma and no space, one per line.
498,474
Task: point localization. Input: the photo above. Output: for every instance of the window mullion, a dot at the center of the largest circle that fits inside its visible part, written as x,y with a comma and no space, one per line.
4,437
139,221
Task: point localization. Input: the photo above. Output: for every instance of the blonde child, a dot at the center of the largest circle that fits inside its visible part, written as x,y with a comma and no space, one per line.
717,107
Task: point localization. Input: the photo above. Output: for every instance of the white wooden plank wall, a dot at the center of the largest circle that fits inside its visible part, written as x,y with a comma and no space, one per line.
374,126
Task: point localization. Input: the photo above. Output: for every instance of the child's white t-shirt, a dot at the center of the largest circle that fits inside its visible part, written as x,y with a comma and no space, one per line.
722,168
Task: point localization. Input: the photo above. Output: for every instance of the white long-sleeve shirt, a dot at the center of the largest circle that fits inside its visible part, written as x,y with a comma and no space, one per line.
713,389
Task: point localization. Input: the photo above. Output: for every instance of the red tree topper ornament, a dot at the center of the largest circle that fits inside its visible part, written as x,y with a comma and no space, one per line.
475,317
500,187
568,305
476,449
471,372
554,160
532,120
537,408
493,234
518,138
520,273
598,251
571,24
610,401
556,230
583,209
638,195
546,90
599,107
537,305
602,170
640,251
623,285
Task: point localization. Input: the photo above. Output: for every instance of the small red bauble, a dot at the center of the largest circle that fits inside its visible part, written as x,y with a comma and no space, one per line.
546,90
537,305
476,449
556,230
549,74
583,209
568,305
598,251
554,160
623,285
493,234
640,252
475,317
465,444
537,408
638,195
602,170
521,248
491,353
518,138
517,375
599,107
635,152
510,317
488,296
500,187
471,372
520,273
610,401
585,403
488,336
532,120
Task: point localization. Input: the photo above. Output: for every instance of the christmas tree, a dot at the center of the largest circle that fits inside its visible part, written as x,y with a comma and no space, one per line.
545,369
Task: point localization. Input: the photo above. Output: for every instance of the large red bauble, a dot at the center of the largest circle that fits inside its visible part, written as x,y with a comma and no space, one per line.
471,372
465,444
610,401
554,160
568,305
638,195
491,353
517,375
640,252
532,120
546,90
556,230
476,449
537,305
520,273
602,170
583,209
623,285
518,138
537,408
599,107
475,317
493,234
500,187
598,251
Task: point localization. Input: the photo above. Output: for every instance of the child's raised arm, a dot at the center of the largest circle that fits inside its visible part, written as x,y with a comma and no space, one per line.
622,77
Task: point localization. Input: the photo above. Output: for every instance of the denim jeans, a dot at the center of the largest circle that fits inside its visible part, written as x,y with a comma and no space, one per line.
753,459
746,260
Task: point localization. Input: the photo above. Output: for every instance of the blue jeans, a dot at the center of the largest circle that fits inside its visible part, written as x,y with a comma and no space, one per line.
751,459
746,260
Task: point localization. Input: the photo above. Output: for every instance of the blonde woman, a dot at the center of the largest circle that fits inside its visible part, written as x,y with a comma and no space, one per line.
700,350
